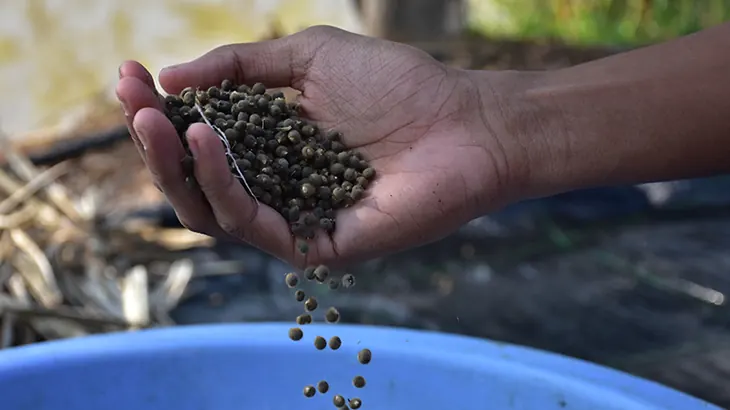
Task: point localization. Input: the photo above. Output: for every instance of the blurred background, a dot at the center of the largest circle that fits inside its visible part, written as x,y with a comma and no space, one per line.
631,277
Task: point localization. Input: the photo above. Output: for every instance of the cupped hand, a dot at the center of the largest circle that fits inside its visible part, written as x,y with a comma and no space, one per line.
418,122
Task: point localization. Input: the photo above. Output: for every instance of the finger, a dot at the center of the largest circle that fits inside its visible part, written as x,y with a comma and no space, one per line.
236,212
281,62
164,155
134,94
135,69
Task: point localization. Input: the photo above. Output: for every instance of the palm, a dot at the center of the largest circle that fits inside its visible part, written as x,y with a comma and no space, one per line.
407,114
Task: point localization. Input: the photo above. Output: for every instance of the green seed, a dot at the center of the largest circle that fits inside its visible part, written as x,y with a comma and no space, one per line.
309,272
303,246
299,295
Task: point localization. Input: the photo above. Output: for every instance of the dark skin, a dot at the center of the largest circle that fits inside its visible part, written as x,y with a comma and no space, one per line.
395,104
448,145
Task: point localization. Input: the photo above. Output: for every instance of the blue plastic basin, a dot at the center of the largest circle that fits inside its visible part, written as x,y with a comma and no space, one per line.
257,367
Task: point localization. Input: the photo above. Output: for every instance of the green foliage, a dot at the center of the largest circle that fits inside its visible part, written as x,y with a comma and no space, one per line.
618,22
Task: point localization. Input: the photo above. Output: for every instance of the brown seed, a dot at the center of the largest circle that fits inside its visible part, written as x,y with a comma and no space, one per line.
320,343
338,401
308,190
323,387
357,192
332,315
258,88
327,224
308,152
364,356
294,136
321,273
299,295
291,279
296,334
350,174
335,342
304,319
348,280
369,173
309,391
310,304
338,194
358,382
355,403
309,272
337,168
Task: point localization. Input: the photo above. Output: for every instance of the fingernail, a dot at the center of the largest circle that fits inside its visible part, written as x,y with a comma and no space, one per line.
124,107
170,68
141,137
193,145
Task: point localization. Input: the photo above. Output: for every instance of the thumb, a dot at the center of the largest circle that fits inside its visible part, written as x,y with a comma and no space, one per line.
281,62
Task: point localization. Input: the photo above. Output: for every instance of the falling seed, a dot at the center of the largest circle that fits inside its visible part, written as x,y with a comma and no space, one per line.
358,382
299,295
302,246
323,387
334,284
320,343
364,356
321,273
338,401
310,304
304,319
348,280
335,342
309,272
309,391
355,403
291,279
296,334
332,315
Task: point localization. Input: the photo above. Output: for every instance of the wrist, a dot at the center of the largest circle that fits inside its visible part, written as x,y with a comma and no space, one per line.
523,133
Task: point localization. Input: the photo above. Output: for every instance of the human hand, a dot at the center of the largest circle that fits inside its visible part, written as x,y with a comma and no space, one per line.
419,123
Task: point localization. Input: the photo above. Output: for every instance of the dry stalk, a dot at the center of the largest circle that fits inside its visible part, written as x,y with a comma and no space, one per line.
57,194
135,297
45,287
38,182
46,215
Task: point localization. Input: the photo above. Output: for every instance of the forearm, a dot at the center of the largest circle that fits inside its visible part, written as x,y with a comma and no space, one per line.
657,113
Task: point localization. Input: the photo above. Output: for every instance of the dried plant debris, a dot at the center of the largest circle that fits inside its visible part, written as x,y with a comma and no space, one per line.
284,161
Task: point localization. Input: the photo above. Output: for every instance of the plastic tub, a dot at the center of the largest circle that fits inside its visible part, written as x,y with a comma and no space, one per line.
256,367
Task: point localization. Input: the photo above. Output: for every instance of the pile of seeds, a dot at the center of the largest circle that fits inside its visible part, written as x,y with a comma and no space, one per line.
292,166
285,162
321,274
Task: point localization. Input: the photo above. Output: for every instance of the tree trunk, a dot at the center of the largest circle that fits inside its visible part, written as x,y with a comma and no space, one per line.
413,20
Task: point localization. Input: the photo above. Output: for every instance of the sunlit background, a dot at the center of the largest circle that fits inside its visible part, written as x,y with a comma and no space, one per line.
632,277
